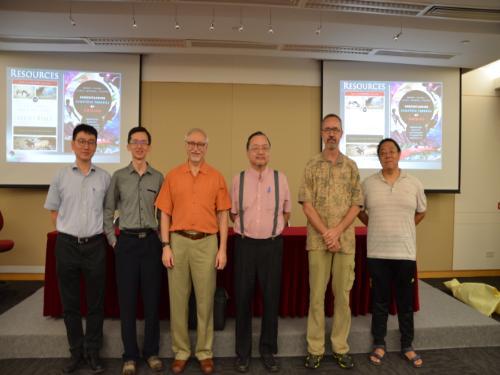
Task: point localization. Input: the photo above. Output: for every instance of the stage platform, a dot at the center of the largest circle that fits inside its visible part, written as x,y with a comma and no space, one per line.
442,322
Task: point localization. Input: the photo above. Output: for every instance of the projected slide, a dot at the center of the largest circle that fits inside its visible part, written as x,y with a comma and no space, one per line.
409,112
44,106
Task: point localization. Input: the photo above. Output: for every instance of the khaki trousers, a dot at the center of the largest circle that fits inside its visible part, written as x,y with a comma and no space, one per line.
194,265
340,266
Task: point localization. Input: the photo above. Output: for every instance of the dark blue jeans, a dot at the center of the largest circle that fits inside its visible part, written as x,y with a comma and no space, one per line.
386,274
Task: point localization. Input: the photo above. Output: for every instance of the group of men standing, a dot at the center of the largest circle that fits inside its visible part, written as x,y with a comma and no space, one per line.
190,207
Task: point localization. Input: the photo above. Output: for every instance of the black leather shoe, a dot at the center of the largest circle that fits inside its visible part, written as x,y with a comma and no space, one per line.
95,363
270,362
73,364
242,364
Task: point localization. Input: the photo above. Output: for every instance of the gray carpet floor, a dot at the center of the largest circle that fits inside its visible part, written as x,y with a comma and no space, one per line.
462,361
480,361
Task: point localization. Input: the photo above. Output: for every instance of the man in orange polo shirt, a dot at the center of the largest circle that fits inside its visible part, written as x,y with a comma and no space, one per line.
194,204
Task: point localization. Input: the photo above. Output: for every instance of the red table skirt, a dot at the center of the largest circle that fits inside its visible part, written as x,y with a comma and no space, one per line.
294,299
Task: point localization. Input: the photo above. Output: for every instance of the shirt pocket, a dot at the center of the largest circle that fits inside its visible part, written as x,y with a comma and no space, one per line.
97,193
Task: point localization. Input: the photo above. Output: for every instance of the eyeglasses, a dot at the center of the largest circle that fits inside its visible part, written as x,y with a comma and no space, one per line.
259,148
136,142
82,142
196,144
331,130
387,153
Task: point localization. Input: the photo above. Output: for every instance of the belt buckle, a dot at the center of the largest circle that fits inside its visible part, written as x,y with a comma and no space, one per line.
141,234
82,241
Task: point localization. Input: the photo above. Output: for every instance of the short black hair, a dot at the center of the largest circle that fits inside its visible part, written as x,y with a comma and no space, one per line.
255,135
138,129
86,129
332,115
387,140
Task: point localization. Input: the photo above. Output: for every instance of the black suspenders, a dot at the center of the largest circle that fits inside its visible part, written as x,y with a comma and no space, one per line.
276,202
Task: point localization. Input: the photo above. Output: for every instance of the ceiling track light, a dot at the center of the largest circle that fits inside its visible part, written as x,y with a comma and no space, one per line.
71,19
177,26
270,28
241,28
318,29
212,24
134,24
398,34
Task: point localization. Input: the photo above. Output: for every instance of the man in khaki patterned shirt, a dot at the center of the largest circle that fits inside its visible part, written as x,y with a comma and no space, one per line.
330,194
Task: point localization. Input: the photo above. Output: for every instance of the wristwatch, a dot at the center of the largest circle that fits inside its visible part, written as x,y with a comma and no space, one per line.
163,244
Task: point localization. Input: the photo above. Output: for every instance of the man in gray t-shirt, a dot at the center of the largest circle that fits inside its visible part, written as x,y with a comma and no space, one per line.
75,201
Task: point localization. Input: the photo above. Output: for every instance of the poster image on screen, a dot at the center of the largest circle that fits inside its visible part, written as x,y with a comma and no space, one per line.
409,112
45,105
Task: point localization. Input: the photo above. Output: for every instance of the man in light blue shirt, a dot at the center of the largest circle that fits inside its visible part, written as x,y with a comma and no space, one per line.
75,200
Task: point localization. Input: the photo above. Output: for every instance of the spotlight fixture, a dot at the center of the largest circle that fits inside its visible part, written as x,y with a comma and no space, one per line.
71,19
270,29
134,24
177,26
212,24
399,34
240,28
318,29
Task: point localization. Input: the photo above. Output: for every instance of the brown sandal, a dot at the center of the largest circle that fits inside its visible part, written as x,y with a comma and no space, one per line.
375,357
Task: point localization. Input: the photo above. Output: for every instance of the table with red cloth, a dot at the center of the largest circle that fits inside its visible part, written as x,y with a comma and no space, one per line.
294,299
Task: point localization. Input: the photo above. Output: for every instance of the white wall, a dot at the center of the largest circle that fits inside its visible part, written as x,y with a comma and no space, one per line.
477,217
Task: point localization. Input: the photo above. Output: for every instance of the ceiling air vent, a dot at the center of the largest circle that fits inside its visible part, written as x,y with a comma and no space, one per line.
138,42
285,3
28,40
473,14
326,49
231,44
414,54
372,7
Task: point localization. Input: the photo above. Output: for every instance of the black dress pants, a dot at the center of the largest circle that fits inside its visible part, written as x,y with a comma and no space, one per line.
73,260
385,274
138,265
261,260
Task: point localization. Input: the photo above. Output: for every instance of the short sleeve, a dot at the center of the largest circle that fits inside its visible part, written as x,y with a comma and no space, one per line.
110,205
223,201
164,199
235,194
421,199
287,204
305,189
53,200
357,198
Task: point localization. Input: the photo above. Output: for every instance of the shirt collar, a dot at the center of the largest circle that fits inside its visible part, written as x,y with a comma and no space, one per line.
75,167
203,167
131,169
402,174
340,158
252,172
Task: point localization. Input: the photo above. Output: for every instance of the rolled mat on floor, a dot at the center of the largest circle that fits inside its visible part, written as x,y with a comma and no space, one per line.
482,297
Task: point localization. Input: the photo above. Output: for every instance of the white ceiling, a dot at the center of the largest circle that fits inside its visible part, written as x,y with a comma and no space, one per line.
350,29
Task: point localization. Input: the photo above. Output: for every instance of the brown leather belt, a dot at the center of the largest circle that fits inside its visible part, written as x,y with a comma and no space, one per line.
192,234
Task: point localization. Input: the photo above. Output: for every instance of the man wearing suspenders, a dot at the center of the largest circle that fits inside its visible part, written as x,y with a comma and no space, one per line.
260,210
